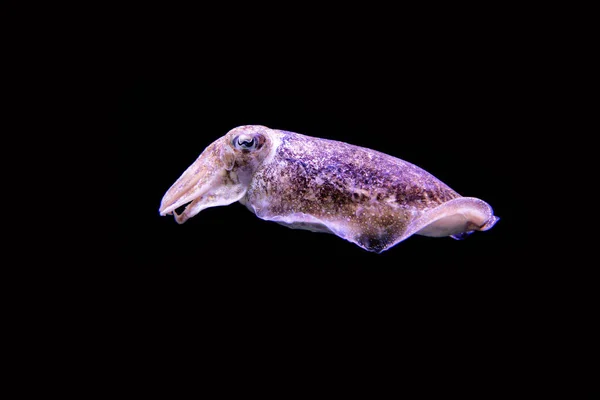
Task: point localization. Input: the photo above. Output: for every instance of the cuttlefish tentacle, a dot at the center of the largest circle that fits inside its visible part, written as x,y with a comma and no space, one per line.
364,196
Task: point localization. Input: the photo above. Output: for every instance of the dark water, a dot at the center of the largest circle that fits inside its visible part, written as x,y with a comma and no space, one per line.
225,260
230,285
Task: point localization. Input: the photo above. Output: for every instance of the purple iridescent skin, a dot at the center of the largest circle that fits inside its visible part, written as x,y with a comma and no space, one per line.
366,197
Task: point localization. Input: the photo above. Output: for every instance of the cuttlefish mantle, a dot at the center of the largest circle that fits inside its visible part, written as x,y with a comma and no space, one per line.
364,196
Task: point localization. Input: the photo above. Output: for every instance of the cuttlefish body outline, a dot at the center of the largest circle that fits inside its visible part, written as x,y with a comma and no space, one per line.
364,196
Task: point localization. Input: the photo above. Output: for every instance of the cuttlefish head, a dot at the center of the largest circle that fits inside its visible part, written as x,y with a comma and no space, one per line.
221,174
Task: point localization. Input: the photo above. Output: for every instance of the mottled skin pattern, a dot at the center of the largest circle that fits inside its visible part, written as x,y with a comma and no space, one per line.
372,194
364,196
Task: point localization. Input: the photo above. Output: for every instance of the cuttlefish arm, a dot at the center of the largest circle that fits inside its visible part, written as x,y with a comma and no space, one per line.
208,182
364,196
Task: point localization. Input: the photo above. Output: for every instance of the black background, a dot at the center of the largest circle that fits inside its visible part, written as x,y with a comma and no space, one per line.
461,124
455,99
457,94
457,105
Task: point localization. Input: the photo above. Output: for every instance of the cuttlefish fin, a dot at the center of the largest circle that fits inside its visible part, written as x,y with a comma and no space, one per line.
457,218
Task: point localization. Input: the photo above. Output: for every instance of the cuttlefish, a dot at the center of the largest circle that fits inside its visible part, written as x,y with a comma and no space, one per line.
364,196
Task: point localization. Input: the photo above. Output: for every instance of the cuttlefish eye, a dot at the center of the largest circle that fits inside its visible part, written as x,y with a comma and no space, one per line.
245,142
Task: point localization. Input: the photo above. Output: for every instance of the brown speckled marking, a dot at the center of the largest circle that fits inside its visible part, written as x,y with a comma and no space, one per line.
375,194
362,195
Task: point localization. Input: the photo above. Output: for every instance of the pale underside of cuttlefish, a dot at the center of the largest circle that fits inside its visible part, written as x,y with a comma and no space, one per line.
364,196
